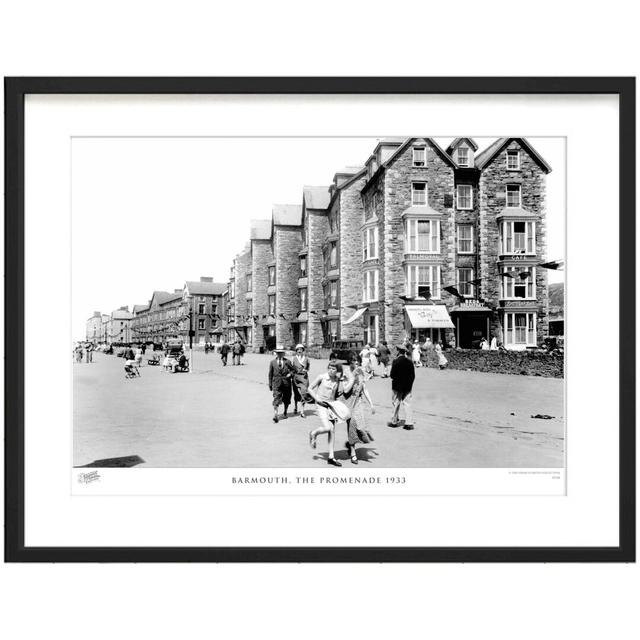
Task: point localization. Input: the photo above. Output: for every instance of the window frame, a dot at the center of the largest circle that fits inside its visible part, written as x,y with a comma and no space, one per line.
414,191
468,282
304,298
416,162
303,271
510,154
506,196
201,324
467,160
458,206
203,306
460,239
271,270
367,277
272,298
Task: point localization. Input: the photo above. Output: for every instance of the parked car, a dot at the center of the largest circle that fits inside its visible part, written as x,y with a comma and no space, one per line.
174,348
343,349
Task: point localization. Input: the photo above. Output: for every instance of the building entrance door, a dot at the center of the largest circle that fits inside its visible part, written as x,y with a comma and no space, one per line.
471,328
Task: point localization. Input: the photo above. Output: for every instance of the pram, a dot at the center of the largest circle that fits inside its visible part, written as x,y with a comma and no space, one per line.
131,369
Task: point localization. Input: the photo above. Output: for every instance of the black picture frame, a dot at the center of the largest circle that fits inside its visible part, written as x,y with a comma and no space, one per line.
15,91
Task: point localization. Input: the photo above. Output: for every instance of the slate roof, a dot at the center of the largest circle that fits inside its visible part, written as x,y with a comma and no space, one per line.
198,288
486,156
316,197
160,297
137,308
260,230
456,141
287,214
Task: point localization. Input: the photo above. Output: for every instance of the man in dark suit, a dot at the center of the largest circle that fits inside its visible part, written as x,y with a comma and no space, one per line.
403,375
280,373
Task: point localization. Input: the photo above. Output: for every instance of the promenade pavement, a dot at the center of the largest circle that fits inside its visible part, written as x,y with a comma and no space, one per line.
221,417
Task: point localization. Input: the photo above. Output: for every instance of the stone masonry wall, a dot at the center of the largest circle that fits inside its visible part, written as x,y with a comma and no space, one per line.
288,244
261,256
492,187
318,229
439,176
241,267
350,252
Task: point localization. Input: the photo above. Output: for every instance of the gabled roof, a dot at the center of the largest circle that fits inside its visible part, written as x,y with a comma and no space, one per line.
137,308
260,230
445,156
316,197
287,214
485,157
456,141
172,298
160,297
198,288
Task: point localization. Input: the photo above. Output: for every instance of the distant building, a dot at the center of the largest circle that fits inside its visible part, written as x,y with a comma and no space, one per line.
119,326
93,331
202,298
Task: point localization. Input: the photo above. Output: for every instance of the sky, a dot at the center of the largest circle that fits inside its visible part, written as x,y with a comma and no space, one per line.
150,213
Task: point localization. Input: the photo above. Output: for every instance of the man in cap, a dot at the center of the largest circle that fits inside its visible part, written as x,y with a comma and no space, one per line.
280,373
402,377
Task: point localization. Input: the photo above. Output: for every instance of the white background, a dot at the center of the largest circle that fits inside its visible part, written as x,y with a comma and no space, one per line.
286,601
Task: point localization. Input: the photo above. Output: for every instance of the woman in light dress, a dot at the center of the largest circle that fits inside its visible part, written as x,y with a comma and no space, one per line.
442,361
416,354
324,389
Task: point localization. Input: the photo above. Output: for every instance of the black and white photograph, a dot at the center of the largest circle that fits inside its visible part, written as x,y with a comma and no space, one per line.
393,301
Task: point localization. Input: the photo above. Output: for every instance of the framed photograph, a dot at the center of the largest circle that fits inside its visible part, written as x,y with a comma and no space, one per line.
320,319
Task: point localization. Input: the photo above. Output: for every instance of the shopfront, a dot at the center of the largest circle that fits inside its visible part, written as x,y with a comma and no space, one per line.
472,321
427,321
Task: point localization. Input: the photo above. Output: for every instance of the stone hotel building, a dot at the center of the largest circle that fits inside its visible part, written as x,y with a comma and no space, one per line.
418,241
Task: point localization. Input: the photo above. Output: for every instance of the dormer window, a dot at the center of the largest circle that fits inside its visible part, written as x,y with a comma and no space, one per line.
463,156
419,193
419,157
513,160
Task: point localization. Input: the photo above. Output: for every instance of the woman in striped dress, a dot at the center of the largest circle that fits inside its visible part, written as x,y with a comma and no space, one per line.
356,394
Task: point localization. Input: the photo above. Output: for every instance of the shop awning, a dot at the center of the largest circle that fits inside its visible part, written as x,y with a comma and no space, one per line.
433,316
355,316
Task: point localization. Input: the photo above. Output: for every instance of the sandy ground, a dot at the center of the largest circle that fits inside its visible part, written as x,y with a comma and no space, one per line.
221,417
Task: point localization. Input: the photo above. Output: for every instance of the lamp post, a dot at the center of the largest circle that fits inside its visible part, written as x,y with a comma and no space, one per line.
189,314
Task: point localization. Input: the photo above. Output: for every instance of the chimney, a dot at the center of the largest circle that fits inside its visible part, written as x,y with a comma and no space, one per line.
206,278
124,308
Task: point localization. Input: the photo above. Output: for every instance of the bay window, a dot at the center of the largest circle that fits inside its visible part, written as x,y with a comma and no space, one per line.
370,244
419,193
518,237
422,281
370,286
519,282
520,330
422,236
333,293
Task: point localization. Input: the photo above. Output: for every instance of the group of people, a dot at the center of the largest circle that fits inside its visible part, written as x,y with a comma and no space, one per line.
340,394
420,352
237,351
372,357
83,350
